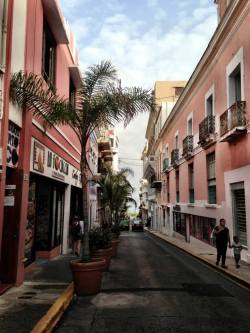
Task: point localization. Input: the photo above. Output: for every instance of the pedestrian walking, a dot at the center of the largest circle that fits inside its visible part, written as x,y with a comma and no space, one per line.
237,248
222,239
76,231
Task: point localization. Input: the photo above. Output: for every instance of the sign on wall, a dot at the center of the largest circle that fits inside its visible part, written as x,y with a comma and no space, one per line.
9,198
13,145
50,164
38,157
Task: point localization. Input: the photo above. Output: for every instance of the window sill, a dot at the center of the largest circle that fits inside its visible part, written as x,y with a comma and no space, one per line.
190,205
213,206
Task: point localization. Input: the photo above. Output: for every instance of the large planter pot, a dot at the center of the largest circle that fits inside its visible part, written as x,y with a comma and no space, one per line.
104,254
115,243
87,276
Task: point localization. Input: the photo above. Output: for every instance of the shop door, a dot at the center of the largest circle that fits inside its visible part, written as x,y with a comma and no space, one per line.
58,217
30,227
9,248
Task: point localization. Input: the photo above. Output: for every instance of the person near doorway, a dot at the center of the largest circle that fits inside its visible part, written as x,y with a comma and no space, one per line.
237,248
76,231
222,239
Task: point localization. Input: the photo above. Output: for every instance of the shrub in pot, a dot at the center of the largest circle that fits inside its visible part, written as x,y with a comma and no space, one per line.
100,244
115,230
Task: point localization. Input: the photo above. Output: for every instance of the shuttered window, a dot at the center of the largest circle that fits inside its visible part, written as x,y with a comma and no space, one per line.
211,175
239,211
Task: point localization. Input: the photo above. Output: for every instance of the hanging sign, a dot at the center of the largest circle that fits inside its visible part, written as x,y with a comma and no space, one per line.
13,145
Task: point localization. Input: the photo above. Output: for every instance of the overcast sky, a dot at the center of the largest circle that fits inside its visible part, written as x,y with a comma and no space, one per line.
147,40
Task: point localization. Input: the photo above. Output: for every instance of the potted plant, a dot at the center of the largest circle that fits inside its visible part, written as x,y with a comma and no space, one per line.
100,102
115,231
100,245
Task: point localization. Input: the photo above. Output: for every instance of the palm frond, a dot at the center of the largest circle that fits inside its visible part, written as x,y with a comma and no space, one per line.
97,78
30,91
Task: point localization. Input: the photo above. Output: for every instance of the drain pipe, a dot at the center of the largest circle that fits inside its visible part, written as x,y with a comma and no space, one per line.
2,67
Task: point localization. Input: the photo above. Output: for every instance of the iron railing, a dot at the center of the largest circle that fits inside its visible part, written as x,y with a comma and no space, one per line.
233,117
206,128
174,156
188,145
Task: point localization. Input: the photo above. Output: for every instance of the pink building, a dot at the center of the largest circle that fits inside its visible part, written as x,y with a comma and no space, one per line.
39,176
205,141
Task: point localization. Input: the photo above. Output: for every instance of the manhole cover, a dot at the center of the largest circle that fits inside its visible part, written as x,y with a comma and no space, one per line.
210,290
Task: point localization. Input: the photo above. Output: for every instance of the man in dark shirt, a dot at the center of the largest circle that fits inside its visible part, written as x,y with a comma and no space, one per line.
221,233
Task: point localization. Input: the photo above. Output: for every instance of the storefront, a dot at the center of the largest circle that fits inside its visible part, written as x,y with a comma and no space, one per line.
47,213
201,227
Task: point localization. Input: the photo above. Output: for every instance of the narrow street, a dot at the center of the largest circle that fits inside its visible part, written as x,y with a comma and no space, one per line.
153,287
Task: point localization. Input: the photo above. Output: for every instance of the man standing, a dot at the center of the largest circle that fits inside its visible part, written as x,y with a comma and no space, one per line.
221,233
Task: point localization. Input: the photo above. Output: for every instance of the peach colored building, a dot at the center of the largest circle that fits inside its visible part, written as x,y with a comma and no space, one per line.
203,171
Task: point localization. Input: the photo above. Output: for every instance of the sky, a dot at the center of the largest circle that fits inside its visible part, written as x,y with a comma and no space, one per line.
146,40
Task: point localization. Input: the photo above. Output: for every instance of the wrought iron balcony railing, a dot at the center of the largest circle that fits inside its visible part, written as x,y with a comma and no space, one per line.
206,130
188,146
165,165
175,157
233,118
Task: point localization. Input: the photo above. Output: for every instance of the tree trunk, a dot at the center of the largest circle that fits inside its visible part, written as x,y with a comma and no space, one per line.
84,178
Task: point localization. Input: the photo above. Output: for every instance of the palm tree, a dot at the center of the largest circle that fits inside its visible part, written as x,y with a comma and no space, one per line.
100,102
116,193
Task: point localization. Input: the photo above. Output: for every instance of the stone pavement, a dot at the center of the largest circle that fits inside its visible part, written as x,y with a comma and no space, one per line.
21,308
207,252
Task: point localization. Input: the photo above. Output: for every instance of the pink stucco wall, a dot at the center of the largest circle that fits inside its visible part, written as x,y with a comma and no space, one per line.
228,155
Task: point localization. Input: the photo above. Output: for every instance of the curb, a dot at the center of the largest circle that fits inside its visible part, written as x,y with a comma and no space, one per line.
234,277
48,322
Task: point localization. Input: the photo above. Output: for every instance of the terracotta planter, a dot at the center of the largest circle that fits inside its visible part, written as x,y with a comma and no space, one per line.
115,243
104,254
87,276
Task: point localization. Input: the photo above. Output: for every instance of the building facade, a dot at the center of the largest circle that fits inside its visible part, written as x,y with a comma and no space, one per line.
205,168
165,95
39,177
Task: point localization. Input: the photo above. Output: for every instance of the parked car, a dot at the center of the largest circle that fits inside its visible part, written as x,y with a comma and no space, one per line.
137,225
124,225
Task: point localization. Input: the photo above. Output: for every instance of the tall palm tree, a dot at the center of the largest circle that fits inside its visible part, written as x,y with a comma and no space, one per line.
116,193
100,102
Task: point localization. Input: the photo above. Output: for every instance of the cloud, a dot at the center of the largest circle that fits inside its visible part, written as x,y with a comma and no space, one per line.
145,52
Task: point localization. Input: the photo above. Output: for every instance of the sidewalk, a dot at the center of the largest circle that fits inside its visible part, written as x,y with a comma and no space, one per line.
207,254
21,308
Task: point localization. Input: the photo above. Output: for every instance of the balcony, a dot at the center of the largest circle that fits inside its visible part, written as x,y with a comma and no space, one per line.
55,20
175,157
157,184
233,122
207,131
148,167
166,165
188,146
104,145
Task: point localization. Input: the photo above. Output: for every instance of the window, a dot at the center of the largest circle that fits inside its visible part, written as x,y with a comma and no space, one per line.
201,228
235,85
239,212
72,93
191,182
190,126
211,178
168,189
210,106
49,55
177,181
176,143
